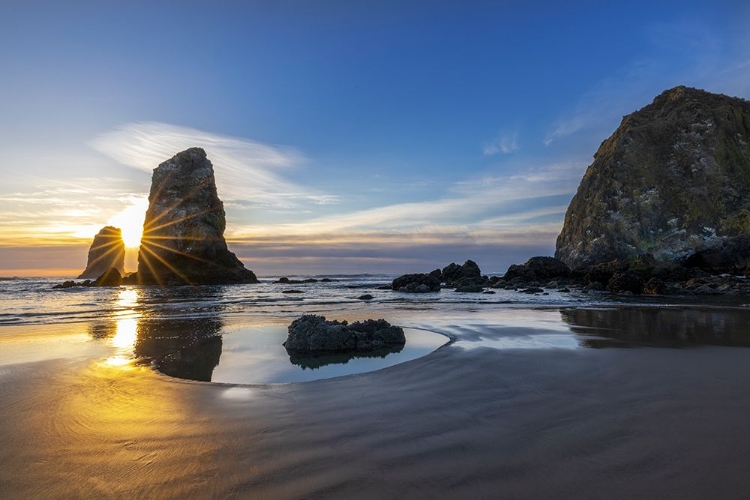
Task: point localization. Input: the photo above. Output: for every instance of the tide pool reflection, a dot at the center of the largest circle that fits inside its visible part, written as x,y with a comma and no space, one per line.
659,326
187,339
315,361
184,348
120,328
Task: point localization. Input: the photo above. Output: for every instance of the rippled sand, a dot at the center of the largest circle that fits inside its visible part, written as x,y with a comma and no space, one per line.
483,417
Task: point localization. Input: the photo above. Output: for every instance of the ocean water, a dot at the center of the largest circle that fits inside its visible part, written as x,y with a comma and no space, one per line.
34,301
234,334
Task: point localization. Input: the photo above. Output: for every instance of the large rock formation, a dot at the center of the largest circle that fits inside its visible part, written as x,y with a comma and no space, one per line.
672,182
107,251
183,234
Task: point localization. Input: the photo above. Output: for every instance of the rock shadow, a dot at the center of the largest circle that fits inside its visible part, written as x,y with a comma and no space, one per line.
315,360
659,327
183,348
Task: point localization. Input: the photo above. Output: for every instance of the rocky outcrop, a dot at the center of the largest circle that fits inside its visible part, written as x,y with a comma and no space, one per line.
627,281
733,256
106,251
537,268
673,181
183,234
312,333
465,278
416,283
110,277
453,273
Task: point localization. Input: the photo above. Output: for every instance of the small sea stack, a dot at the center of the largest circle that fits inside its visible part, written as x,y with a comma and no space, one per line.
183,233
107,251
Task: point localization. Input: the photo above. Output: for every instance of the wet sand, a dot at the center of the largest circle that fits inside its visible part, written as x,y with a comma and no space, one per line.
459,423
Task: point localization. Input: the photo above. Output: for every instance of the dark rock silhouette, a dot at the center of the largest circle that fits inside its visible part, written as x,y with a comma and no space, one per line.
453,273
110,277
106,251
311,333
672,181
416,283
537,268
183,234
313,361
183,348
628,281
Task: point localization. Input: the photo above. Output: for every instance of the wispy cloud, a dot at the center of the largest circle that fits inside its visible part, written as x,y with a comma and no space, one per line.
245,170
497,209
504,143
681,52
61,212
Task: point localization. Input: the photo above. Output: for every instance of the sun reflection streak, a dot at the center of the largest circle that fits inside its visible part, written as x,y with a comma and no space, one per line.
126,333
118,361
126,318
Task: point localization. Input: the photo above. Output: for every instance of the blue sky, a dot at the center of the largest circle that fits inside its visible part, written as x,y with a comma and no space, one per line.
346,136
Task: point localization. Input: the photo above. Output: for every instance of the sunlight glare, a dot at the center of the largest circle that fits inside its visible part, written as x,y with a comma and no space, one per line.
130,221
126,335
118,361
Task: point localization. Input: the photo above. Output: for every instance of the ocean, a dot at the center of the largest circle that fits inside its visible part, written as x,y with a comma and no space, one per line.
234,333
33,301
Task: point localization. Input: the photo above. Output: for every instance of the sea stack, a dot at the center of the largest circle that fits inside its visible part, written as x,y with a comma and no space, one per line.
107,251
183,233
672,183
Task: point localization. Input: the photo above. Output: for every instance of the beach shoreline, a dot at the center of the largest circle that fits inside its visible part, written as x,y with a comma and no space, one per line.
465,421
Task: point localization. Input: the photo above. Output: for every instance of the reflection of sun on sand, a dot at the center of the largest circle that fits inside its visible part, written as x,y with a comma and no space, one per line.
130,221
126,332
129,436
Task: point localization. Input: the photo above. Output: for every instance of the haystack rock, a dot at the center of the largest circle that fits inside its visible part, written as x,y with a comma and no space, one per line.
107,251
672,183
183,234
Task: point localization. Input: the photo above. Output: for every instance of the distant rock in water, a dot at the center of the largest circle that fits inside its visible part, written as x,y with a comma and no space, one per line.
110,277
416,283
183,234
537,268
672,182
468,273
106,251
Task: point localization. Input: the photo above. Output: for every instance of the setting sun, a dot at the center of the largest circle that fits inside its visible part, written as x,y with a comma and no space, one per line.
130,221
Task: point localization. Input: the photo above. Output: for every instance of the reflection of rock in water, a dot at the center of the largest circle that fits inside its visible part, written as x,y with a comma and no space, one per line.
313,360
184,348
196,362
103,329
664,327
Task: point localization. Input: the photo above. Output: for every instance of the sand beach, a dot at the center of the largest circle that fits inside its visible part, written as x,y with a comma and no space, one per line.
503,411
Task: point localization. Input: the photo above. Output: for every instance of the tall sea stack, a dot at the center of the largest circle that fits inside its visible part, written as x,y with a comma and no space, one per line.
183,234
107,251
672,182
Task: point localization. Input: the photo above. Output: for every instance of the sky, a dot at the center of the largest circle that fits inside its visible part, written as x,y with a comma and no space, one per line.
346,136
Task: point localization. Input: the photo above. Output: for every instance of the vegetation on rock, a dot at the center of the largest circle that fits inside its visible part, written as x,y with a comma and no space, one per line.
672,181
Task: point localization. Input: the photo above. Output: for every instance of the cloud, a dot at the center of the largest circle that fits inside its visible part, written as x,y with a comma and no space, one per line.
504,143
61,212
245,170
497,209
